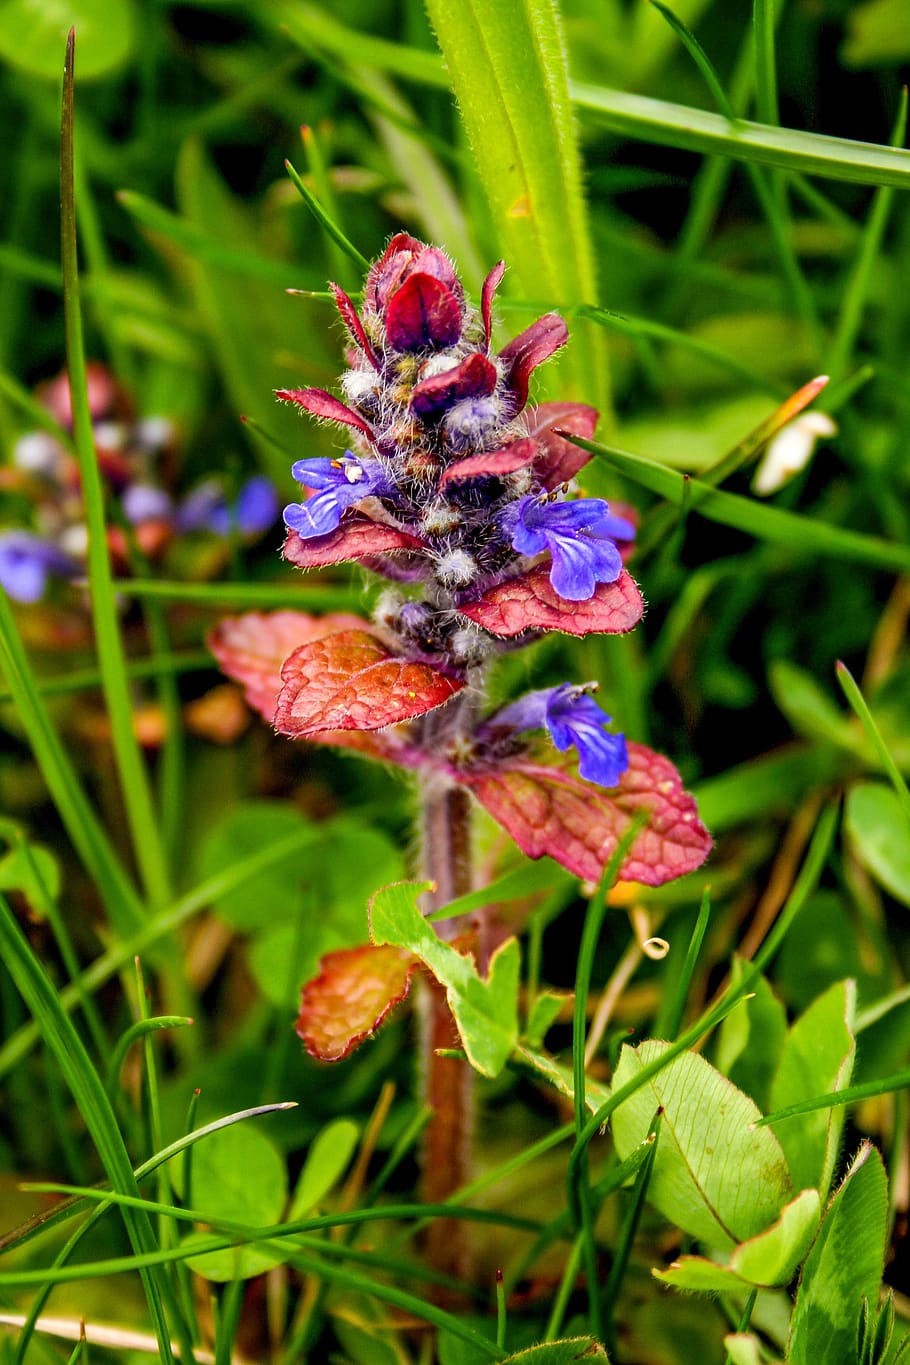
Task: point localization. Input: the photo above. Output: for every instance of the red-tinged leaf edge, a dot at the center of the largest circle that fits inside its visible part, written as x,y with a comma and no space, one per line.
321,404
529,602
487,294
528,350
251,649
559,460
351,681
356,538
549,810
492,464
345,1004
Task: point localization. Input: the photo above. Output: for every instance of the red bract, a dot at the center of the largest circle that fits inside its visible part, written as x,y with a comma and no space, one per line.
474,377
529,602
352,681
558,460
402,258
490,285
354,325
422,314
492,464
547,809
530,349
354,991
356,538
322,404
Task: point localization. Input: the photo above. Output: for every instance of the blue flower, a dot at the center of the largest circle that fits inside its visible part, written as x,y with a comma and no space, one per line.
26,563
579,535
338,484
206,508
571,716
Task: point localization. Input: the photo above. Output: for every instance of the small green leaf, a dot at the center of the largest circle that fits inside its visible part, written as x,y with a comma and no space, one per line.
238,1176
713,1174
245,828
880,836
543,1013
817,1058
330,1151
808,707
33,870
768,1259
559,1352
486,1012
750,1039
33,32
561,1078
844,1266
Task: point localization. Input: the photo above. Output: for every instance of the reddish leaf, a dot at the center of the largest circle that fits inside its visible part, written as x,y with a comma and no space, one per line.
490,285
492,464
529,602
559,460
530,349
351,681
354,325
356,538
549,810
423,312
322,404
354,991
475,377
251,649
385,275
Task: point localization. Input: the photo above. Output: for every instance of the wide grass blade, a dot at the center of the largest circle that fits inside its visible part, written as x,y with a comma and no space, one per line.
507,64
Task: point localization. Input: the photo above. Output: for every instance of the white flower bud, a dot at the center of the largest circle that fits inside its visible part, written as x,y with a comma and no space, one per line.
790,451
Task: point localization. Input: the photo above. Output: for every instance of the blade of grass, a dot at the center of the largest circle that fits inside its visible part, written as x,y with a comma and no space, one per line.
134,783
325,221
507,65
858,702
854,296
678,125
627,1231
86,833
672,1010
85,679
88,1092
197,243
773,524
296,594
133,1034
885,1085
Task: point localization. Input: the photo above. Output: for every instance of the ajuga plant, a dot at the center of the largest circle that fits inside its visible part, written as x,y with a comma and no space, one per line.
465,498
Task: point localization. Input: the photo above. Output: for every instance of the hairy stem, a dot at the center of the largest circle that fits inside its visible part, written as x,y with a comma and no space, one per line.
446,1083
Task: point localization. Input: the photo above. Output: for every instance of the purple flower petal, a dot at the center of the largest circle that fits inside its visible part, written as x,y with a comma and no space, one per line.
338,484
572,717
579,536
26,563
143,502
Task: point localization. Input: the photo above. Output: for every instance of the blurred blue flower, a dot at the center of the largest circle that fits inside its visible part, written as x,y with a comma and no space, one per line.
571,716
338,484
206,508
579,535
26,563
143,502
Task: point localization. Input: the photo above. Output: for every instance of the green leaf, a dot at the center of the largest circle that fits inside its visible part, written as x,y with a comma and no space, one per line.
750,1039
33,32
880,836
844,1267
507,65
245,828
486,1012
808,707
561,1077
33,870
817,1058
714,1175
544,1011
768,1259
329,1153
238,1176
564,1352
743,1349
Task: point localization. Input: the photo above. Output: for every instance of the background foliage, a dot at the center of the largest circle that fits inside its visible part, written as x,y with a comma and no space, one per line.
708,269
